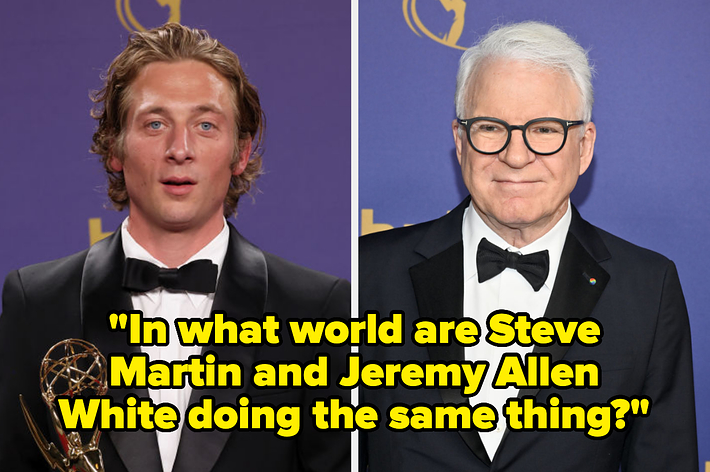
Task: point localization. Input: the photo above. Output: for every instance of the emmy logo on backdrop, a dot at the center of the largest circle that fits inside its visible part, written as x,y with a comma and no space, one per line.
73,368
449,37
130,22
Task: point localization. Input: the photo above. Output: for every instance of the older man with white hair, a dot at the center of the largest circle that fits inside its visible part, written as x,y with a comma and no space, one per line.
523,136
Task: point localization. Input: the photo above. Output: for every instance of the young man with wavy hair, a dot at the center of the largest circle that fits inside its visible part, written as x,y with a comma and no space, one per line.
179,132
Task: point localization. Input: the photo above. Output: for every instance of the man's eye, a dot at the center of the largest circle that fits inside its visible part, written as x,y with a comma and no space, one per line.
546,129
206,126
488,128
155,125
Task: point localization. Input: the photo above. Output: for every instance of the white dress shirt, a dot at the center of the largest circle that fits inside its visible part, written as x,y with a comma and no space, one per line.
508,291
169,305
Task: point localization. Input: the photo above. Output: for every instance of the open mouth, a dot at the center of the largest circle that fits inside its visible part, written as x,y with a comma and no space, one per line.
178,182
178,186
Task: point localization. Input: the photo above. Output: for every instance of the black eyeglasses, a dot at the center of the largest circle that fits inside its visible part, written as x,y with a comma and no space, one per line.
543,136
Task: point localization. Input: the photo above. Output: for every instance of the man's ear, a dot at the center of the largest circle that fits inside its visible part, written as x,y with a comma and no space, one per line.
243,159
459,139
115,163
586,147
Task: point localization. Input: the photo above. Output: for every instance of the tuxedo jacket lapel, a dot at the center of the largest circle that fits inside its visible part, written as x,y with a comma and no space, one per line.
438,286
578,286
102,294
579,283
241,293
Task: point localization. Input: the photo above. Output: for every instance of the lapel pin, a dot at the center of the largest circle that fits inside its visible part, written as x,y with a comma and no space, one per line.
591,280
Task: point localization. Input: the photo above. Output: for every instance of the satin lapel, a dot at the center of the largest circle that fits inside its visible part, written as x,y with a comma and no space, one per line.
241,293
579,283
438,286
102,294
573,296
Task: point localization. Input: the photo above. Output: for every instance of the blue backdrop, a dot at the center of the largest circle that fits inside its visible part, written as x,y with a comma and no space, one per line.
647,182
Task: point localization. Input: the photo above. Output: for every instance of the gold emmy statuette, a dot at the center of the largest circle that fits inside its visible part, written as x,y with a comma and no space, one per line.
73,368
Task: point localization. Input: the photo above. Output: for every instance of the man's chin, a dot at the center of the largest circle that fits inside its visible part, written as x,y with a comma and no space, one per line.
517,217
176,220
510,211
188,219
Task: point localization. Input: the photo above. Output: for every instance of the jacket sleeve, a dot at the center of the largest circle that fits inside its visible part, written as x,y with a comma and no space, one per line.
19,374
666,439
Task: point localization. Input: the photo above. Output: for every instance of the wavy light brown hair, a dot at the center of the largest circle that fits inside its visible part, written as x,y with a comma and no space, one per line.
170,43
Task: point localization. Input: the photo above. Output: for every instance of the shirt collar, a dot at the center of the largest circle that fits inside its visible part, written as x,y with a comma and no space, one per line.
215,251
474,229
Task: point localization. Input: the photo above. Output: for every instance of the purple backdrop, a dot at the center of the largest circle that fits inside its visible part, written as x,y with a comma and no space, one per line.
647,182
296,53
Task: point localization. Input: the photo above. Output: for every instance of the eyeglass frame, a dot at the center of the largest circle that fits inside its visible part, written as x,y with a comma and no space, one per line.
523,128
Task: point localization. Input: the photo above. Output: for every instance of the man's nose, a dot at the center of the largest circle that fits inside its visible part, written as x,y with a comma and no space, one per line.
180,148
516,154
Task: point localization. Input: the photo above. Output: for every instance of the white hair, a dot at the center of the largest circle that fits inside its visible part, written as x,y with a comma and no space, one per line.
540,44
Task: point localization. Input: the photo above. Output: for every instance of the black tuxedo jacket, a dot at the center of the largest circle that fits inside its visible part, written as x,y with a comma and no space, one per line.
645,350
71,298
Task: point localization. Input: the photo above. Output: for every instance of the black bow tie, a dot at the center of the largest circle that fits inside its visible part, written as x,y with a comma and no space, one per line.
198,276
492,260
